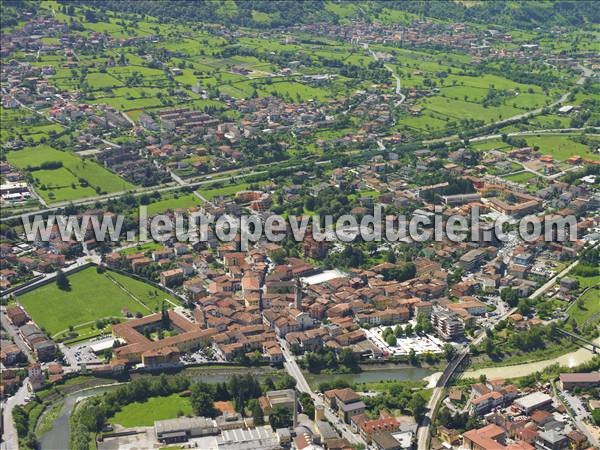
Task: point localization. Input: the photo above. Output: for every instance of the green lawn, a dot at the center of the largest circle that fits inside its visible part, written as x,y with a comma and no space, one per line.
69,181
591,306
520,177
172,203
92,296
142,248
561,146
143,414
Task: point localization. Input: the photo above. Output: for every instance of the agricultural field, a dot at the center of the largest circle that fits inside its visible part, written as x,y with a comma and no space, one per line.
562,147
91,296
589,308
63,176
559,146
26,125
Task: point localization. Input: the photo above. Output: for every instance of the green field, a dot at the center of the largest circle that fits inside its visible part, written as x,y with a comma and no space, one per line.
182,201
92,296
24,123
561,147
230,189
77,178
143,414
591,306
520,177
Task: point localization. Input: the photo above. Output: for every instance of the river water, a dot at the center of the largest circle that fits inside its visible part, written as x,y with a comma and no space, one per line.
369,374
58,437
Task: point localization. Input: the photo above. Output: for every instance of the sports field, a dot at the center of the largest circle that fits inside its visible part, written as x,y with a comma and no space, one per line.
92,296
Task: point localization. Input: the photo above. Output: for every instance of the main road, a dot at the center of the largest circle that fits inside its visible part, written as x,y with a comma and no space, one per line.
302,385
203,180
10,439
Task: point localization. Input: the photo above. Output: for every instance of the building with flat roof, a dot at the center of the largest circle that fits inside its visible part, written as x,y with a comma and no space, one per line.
285,398
447,324
385,441
182,429
551,440
533,401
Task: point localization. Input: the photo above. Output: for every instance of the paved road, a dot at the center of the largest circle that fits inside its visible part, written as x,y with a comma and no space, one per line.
398,89
10,438
423,432
580,413
302,385
14,333
204,180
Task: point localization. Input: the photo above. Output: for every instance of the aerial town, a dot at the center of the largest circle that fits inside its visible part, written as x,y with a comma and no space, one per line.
119,118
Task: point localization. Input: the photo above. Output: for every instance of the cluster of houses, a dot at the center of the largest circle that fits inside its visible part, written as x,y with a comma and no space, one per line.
516,419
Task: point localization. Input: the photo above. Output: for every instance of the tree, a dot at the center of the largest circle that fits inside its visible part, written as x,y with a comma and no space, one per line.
596,416
391,257
280,417
449,352
308,407
391,340
510,296
165,321
257,414
202,401
62,281
412,356
417,405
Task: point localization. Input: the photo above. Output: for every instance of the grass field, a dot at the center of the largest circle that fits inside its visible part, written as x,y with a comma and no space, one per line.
520,177
173,203
143,414
591,306
77,178
92,296
21,122
561,146
230,189
142,248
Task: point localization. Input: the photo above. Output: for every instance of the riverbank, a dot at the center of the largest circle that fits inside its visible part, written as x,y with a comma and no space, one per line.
571,359
373,373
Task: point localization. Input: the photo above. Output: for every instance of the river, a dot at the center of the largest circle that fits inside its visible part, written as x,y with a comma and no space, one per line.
58,437
572,359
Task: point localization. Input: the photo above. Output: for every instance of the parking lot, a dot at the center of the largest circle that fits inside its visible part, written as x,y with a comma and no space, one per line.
83,353
419,343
